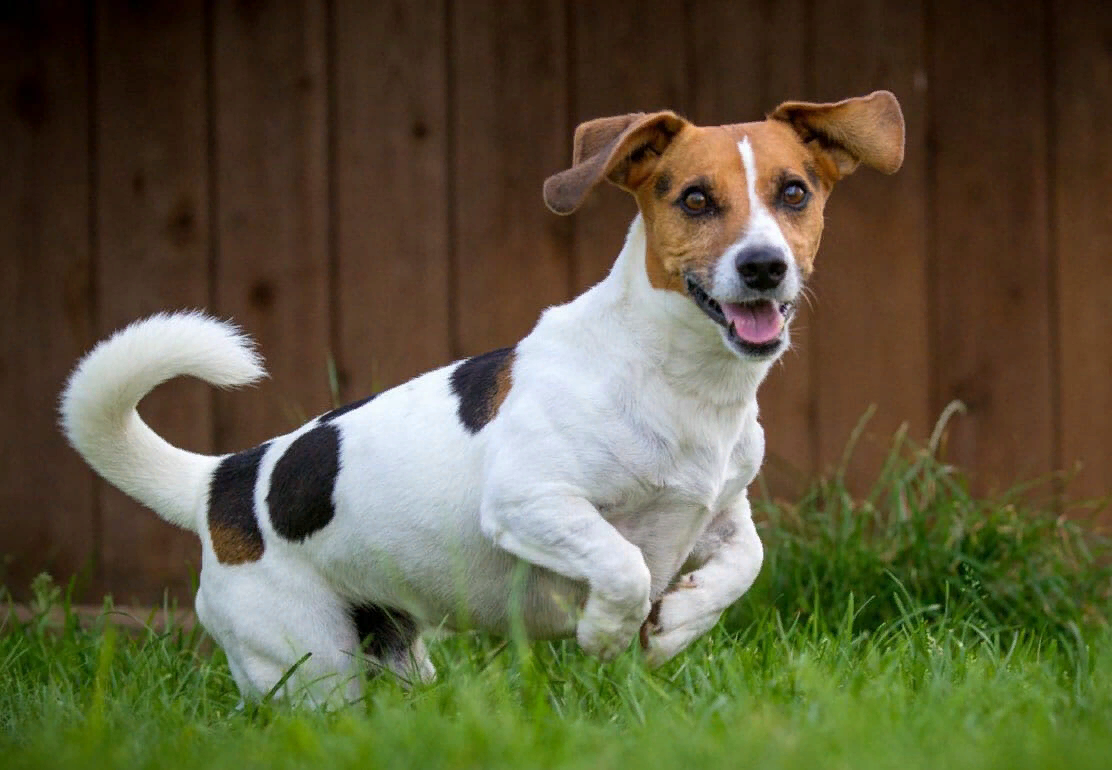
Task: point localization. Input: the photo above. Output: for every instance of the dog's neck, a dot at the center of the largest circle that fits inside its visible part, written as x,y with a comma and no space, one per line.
672,338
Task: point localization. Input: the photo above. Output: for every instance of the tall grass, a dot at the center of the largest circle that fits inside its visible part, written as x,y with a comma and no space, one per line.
920,542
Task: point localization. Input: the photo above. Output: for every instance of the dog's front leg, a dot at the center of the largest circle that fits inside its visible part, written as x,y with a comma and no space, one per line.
566,534
723,565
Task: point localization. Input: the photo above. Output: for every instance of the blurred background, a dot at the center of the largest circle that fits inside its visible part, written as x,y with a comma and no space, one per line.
358,184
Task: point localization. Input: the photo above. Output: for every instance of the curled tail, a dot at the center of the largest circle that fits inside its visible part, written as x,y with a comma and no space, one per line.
98,406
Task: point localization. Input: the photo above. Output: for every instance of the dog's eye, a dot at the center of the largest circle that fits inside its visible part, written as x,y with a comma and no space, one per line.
695,201
794,194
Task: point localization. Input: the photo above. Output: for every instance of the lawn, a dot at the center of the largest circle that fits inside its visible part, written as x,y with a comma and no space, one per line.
917,626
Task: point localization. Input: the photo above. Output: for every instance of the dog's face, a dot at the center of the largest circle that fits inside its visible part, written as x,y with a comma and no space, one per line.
733,214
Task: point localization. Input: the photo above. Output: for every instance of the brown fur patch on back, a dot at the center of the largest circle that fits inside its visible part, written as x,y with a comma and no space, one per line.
504,381
232,523
481,384
235,546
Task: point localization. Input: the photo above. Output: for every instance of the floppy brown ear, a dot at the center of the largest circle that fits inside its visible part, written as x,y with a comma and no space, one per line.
866,129
623,149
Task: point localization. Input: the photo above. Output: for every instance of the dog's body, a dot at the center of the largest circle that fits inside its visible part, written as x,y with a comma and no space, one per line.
589,481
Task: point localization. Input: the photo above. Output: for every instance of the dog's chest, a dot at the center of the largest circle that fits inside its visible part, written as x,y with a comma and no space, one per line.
661,494
703,464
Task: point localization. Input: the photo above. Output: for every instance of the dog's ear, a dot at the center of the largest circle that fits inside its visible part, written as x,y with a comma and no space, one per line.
867,129
623,149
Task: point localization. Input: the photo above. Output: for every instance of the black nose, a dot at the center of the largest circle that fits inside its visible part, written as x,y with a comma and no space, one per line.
761,267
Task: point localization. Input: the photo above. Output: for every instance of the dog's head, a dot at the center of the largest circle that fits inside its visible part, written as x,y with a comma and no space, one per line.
733,214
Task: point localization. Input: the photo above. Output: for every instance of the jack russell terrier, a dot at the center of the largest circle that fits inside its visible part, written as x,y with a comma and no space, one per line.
589,481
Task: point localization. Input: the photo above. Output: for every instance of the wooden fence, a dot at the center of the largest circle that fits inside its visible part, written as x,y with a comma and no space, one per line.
358,184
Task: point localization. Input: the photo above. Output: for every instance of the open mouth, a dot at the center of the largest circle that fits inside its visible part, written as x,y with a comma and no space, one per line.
753,327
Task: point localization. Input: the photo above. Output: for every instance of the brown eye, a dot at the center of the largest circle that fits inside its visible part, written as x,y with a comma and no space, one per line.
794,194
695,201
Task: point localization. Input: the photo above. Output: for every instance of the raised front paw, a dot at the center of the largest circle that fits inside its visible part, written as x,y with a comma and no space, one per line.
605,630
677,619
607,640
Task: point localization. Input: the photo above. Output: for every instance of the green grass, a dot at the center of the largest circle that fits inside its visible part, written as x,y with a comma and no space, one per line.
918,626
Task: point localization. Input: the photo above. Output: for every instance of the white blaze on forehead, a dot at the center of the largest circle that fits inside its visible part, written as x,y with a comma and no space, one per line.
761,230
762,227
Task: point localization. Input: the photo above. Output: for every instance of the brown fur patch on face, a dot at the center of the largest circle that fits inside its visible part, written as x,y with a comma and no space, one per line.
677,242
781,157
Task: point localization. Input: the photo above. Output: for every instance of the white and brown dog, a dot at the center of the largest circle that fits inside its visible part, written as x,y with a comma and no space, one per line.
590,480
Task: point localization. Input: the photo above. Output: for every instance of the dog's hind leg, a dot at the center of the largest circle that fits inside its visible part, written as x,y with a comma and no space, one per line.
411,664
722,567
391,639
289,638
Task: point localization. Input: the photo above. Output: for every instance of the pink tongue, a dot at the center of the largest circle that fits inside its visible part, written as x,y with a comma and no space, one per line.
756,322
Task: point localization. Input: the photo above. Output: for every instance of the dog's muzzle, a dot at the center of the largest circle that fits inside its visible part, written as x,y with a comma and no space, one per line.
754,327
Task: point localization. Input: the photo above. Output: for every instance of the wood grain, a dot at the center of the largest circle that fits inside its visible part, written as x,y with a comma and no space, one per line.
989,234
509,124
365,179
1082,101
46,493
394,310
152,244
271,164
871,328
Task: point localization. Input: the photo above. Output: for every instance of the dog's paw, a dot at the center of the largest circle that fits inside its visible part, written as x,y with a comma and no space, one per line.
606,641
604,633
676,620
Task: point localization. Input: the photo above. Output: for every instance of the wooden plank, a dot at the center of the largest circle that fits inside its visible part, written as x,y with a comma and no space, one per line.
989,255
734,83
509,122
871,327
613,76
272,267
1082,95
391,186
152,237
46,492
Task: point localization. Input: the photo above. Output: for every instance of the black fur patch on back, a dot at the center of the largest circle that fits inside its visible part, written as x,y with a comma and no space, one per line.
383,631
301,486
480,383
330,416
233,528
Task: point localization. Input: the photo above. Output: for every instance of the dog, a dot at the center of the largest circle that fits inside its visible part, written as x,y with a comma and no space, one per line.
589,481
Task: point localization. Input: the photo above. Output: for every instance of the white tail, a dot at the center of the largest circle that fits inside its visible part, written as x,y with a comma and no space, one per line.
98,406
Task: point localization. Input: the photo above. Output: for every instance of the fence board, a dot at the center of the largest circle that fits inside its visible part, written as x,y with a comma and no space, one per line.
509,123
734,83
152,234
392,289
46,493
613,76
270,119
871,277
983,262
1083,244
989,229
